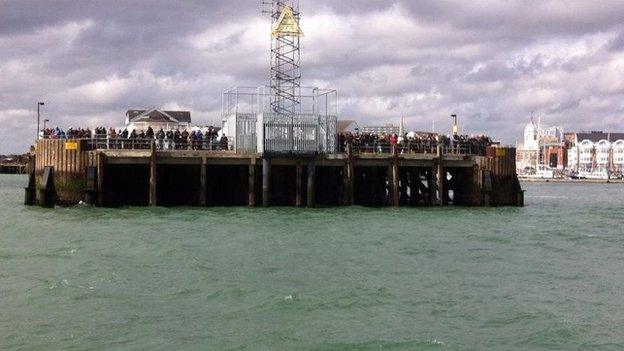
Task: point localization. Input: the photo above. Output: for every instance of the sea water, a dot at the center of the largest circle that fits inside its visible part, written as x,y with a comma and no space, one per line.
549,276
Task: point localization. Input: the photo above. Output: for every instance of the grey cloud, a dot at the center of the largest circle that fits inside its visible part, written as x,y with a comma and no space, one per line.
491,62
617,44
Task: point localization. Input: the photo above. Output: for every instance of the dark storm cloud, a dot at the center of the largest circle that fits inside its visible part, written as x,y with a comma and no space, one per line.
491,62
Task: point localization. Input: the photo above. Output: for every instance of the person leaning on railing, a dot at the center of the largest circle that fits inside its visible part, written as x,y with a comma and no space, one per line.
160,137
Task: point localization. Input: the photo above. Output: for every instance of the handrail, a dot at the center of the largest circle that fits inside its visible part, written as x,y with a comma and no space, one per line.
105,142
426,147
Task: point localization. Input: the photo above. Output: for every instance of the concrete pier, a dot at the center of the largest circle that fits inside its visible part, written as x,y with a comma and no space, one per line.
152,177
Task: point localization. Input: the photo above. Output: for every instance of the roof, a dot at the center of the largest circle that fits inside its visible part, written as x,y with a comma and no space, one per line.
155,115
596,136
342,125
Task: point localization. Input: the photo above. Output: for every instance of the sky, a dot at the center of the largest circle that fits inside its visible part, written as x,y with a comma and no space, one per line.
492,63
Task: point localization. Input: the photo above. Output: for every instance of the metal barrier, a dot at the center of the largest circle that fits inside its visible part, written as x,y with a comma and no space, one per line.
426,147
296,136
103,142
305,133
161,144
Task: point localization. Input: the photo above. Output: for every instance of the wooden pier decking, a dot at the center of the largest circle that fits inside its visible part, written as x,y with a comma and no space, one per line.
69,171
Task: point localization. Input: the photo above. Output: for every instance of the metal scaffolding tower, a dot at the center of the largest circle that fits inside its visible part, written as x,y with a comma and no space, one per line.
285,82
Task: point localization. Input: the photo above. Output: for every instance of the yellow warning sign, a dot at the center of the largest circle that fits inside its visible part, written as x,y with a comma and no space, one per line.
287,25
501,152
71,145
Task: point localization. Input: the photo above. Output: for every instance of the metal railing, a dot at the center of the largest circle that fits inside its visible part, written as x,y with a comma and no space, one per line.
103,142
383,147
161,144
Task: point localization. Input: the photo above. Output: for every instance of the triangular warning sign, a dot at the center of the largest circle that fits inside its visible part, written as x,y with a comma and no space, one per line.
287,25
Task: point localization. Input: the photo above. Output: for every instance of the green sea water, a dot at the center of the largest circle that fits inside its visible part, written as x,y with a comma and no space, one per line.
549,276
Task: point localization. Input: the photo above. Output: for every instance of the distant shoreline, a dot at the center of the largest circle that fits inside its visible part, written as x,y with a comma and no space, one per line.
556,180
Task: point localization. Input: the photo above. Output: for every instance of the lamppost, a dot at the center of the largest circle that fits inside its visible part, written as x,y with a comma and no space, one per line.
44,123
39,104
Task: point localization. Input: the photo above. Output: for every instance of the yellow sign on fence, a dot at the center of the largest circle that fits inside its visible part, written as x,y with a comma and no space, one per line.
71,145
501,152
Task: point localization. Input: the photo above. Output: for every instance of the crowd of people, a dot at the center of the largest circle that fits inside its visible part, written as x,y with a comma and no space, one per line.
210,139
413,143
110,138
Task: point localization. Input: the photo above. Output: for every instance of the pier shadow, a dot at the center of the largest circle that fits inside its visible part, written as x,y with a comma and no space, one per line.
126,185
178,185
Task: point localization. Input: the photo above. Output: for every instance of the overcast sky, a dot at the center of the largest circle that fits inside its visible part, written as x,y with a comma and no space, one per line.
491,62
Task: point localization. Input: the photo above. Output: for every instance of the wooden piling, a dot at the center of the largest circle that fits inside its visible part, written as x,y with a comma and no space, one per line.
266,181
395,177
251,190
100,179
202,181
440,176
311,175
30,192
153,176
348,176
298,185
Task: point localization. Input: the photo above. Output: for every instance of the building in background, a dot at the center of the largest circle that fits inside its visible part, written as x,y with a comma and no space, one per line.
347,126
542,148
527,153
155,118
597,153
383,129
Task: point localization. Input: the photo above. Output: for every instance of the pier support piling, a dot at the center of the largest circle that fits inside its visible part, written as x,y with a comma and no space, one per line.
348,175
395,177
266,181
45,194
153,177
202,182
30,192
100,179
298,184
440,176
251,189
311,175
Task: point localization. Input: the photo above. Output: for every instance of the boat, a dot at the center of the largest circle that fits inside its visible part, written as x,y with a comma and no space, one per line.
593,175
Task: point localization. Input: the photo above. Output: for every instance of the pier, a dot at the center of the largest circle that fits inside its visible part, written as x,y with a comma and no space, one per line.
65,172
13,168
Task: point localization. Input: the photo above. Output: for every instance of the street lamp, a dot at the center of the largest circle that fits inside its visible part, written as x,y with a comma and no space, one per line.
39,104
44,123
455,126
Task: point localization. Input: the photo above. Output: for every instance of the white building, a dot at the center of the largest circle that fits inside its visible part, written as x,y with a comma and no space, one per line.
383,129
597,152
542,147
347,126
527,153
140,120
